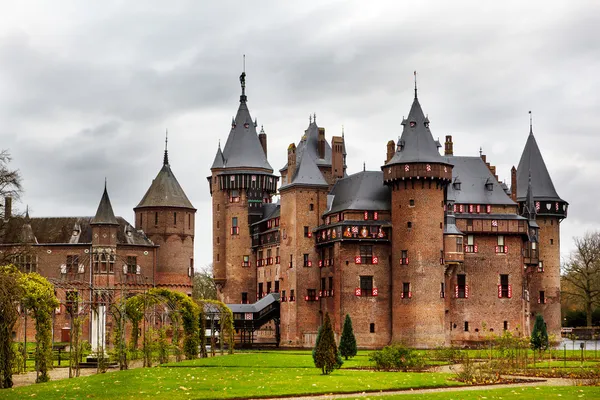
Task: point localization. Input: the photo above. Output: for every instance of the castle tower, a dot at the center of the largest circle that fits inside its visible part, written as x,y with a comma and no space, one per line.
241,182
417,176
167,217
550,210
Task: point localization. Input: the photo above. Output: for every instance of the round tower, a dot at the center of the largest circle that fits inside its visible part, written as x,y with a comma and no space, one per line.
167,217
417,175
534,185
241,182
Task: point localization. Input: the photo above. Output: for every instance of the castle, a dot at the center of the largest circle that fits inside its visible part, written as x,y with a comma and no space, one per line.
101,258
430,250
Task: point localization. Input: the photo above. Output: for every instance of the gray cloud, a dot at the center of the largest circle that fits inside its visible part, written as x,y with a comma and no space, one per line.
86,92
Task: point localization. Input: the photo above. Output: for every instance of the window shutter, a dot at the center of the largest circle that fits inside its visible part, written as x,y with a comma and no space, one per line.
375,260
320,263
81,268
488,208
366,215
497,249
475,249
375,292
357,260
138,269
63,268
357,292
320,293
466,291
509,291
124,268
410,295
499,291
456,291
375,215
505,248
402,295
309,263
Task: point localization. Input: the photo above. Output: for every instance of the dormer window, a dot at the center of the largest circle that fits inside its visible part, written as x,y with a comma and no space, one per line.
413,124
400,145
456,184
489,186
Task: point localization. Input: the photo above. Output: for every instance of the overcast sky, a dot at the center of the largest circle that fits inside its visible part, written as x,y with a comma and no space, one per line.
87,89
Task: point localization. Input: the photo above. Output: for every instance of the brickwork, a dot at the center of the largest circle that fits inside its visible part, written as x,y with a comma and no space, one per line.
547,281
418,317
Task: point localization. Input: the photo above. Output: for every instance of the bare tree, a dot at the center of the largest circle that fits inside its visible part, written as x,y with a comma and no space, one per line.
204,285
581,273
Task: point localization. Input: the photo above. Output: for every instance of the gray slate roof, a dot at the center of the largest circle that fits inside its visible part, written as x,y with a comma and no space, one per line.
165,191
219,161
361,191
532,161
419,145
308,160
105,214
256,307
61,230
243,149
473,175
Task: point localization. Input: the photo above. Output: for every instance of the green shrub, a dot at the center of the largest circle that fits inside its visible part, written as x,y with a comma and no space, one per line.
326,355
397,357
348,341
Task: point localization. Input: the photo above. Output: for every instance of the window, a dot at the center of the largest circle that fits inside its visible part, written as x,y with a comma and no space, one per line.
409,225
190,220
311,294
259,259
269,285
292,295
276,286
307,233
505,325
141,219
307,262
103,262
283,296
459,244
504,289
311,206
131,264
411,203
366,285
461,286
234,196
540,267
469,225
156,218
235,229
71,302
331,284
406,293
466,326
277,259
244,297
269,258
191,271
175,218
291,260
404,259
72,264
323,281
471,247
501,248
372,327
442,290
542,298
26,263
551,241
260,290
366,254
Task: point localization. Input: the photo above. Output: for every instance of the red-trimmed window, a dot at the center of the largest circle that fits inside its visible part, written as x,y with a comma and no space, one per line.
461,289
366,286
540,267
277,221
406,292
471,247
504,289
292,295
366,254
501,247
269,223
235,229
307,262
404,258
234,196
246,261
542,297
311,295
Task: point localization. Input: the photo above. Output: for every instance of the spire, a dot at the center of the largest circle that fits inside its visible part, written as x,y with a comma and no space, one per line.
415,85
27,235
529,203
530,124
27,219
166,157
105,214
364,166
243,97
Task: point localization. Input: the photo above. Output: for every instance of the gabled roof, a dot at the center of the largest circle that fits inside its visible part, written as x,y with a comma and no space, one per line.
533,162
165,191
361,191
308,161
105,214
68,230
416,143
473,174
243,149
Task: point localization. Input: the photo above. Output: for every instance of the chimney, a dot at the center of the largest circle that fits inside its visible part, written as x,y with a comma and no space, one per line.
291,162
337,157
262,137
448,146
7,208
321,143
513,183
391,150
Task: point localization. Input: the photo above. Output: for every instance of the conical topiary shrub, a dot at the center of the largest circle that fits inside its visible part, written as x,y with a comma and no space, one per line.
326,354
348,341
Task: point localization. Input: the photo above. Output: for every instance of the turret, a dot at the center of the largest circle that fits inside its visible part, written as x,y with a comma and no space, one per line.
241,182
417,176
104,237
541,204
167,217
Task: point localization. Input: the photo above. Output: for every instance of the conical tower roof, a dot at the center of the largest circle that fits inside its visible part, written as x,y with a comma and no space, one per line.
533,163
104,214
218,162
243,148
416,145
165,190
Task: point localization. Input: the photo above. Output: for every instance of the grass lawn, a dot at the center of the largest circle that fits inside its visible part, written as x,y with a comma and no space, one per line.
528,392
232,376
